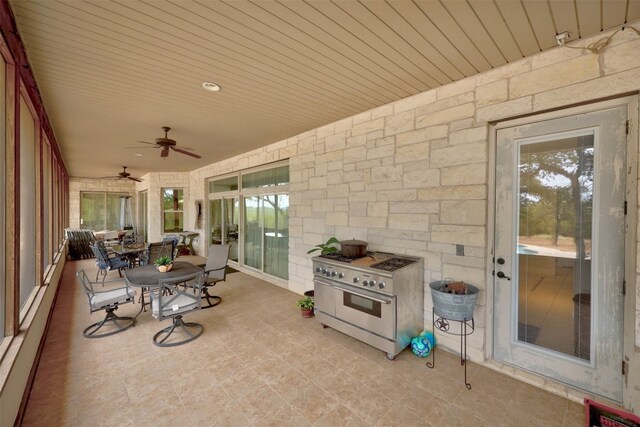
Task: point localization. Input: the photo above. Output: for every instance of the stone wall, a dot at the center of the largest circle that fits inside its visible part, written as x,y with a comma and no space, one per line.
411,176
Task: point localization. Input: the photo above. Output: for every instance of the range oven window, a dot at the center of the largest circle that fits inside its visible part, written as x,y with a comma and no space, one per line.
365,305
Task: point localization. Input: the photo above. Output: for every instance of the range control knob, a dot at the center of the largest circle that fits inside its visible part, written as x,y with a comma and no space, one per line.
333,274
356,279
365,283
324,271
381,285
328,273
340,275
317,269
372,282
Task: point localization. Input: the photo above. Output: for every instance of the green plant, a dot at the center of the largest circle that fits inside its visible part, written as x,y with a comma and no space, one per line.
305,303
327,247
163,260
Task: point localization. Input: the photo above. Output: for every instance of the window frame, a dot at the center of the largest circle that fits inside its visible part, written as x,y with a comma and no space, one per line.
105,199
174,211
23,305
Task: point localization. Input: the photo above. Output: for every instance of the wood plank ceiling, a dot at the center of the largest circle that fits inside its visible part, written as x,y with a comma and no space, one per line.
113,72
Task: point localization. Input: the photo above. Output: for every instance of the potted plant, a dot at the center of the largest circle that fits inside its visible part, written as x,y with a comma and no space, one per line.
327,247
164,264
306,306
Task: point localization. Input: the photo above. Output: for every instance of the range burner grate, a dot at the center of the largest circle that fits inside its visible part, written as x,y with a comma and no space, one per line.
393,264
338,256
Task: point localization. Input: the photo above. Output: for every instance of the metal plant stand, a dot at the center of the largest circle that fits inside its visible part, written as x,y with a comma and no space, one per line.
466,328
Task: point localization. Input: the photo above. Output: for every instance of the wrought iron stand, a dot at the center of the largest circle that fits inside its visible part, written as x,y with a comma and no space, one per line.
466,328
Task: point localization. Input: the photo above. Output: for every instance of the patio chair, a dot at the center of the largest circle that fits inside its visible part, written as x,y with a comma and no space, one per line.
169,301
156,250
173,240
106,263
109,301
215,271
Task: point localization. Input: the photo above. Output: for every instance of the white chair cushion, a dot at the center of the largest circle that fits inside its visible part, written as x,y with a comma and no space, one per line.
178,305
102,299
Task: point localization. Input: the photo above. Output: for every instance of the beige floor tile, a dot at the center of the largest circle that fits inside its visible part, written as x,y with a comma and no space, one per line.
341,416
397,416
272,368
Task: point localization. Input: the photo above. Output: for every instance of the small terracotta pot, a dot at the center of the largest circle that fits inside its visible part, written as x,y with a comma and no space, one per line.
307,312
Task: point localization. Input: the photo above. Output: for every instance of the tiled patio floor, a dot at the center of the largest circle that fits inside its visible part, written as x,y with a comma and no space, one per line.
260,363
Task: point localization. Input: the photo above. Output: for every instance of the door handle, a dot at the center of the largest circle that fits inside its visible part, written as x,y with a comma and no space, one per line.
501,275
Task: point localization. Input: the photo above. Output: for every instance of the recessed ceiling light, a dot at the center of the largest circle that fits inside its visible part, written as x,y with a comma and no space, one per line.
138,155
212,87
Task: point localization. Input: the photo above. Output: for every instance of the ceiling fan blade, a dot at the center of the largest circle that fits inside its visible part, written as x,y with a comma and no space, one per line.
150,143
110,177
165,152
135,179
136,148
186,152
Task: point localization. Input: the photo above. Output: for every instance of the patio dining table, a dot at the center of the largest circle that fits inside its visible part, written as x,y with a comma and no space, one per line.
131,251
148,277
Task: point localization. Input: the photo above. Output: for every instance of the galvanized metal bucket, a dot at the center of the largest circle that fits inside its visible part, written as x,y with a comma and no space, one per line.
452,306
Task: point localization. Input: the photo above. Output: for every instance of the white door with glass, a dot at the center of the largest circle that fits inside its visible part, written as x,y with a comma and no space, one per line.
224,221
559,249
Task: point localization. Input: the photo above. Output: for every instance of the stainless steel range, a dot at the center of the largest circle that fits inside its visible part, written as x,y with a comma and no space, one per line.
377,299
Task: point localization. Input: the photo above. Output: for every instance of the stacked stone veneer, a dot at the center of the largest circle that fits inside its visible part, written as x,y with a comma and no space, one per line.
411,176
78,185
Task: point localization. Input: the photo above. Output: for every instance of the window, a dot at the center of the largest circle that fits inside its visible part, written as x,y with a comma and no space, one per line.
275,177
3,192
172,210
224,184
27,202
46,207
101,211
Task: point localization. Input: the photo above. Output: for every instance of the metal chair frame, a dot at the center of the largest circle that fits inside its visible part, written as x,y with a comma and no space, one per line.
167,294
215,271
110,316
105,263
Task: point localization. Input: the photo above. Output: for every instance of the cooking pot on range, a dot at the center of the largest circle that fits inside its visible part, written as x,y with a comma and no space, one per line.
353,248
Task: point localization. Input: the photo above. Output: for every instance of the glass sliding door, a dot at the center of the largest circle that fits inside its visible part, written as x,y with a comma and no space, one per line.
215,221
266,234
224,217
276,235
249,211
100,211
253,232
92,211
231,213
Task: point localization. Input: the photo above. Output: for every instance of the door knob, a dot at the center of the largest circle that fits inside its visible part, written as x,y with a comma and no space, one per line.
501,275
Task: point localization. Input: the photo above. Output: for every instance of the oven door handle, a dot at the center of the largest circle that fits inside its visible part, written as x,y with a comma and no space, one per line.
323,282
383,301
